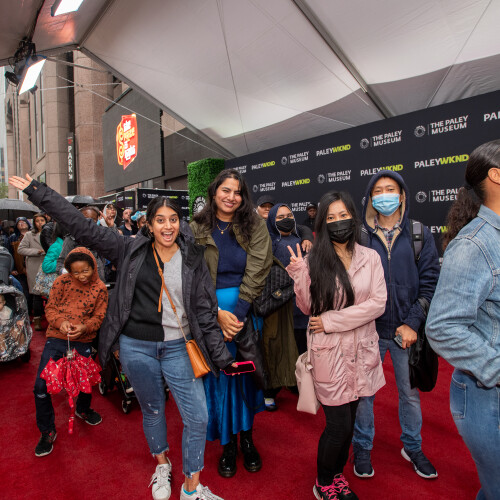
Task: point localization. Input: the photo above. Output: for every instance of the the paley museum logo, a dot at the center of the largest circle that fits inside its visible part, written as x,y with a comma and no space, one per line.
126,140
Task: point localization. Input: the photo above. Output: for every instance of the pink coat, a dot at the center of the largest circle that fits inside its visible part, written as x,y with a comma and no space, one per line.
346,360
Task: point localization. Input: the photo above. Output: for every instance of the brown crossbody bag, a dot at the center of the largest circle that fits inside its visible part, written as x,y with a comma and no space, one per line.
198,362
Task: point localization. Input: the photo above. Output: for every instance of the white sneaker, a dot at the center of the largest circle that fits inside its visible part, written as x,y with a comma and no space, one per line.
161,481
202,493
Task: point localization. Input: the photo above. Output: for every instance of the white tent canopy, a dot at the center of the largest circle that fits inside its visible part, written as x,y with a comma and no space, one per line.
255,74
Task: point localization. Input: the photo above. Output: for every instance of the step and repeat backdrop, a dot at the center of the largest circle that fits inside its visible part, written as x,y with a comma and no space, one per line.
429,148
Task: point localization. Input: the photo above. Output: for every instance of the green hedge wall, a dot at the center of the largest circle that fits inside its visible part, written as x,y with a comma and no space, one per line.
200,174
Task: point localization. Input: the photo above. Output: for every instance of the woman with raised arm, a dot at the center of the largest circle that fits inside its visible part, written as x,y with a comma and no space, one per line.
464,318
239,257
341,286
142,323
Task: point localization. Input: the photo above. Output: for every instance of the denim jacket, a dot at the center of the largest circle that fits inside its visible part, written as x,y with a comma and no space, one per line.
463,325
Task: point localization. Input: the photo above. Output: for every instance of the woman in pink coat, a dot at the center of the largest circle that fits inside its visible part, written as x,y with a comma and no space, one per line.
342,287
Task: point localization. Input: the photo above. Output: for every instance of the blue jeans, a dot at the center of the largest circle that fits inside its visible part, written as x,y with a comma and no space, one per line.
476,412
56,349
146,364
410,415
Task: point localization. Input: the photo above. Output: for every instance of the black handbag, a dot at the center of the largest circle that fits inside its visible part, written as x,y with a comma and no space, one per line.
249,348
423,361
278,290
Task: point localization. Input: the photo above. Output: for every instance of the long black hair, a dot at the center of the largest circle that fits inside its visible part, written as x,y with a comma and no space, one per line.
469,198
245,216
330,284
58,231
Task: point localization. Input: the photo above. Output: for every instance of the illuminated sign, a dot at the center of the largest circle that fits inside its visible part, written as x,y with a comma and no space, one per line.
126,140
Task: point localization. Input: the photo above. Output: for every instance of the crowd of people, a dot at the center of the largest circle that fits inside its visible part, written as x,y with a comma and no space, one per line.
362,289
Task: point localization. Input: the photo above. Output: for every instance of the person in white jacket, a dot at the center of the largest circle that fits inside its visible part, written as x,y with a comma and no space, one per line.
31,248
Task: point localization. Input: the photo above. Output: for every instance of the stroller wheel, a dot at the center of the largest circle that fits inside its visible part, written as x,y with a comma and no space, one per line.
26,356
103,388
126,406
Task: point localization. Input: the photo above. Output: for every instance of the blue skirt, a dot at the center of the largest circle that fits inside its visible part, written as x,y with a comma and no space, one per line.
232,401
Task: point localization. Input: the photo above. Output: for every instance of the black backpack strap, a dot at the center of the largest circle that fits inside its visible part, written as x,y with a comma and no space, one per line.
424,304
417,238
364,237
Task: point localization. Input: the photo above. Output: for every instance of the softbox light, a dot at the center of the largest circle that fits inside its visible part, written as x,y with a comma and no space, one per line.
30,72
64,7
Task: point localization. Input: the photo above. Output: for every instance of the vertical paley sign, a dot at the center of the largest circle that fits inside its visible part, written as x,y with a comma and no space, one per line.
126,140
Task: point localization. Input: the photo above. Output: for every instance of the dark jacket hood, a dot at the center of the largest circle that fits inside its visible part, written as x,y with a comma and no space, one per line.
271,223
16,230
95,274
369,212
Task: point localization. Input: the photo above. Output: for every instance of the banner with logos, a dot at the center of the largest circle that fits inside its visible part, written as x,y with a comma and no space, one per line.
429,148
181,197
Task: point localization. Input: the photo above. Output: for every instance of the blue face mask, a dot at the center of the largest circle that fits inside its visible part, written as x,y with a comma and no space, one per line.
386,203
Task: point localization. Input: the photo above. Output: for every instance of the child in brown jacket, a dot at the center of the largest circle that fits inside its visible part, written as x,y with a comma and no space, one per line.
75,310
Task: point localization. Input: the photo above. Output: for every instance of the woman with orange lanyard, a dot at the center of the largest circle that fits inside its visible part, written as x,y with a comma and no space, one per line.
149,331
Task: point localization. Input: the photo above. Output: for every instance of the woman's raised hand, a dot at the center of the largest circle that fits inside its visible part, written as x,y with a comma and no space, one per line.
295,258
19,182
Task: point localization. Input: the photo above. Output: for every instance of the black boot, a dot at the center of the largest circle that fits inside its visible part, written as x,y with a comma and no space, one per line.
227,462
251,457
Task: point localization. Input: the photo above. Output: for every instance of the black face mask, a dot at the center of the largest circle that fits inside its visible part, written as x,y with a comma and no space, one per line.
286,225
341,230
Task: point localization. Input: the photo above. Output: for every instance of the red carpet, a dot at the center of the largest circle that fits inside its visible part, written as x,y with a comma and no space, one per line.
111,461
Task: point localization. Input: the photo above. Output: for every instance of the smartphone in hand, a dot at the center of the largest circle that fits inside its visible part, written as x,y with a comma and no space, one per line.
399,340
241,367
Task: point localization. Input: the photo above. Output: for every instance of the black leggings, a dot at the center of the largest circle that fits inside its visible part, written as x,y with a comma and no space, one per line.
334,443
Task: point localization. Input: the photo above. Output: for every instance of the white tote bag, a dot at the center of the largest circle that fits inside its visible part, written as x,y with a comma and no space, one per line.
307,396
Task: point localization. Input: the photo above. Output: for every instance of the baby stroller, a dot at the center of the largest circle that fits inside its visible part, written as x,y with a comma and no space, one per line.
15,327
113,376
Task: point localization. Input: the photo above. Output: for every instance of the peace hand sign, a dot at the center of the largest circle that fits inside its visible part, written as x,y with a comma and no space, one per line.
295,258
19,182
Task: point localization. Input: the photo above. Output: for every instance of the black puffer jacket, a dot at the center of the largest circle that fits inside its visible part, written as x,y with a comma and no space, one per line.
127,254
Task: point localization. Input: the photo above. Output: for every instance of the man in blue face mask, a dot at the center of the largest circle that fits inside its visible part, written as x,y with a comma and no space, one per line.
409,277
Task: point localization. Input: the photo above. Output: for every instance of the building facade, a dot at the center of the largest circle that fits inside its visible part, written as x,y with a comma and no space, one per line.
54,133
68,102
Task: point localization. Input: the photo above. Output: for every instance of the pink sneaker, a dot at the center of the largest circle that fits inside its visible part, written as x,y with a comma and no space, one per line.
325,492
342,488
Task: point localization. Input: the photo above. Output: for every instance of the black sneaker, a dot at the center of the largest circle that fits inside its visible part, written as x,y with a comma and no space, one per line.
362,463
90,416
421,463
45,446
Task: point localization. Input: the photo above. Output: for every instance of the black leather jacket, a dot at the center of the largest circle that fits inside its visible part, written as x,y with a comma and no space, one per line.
127,254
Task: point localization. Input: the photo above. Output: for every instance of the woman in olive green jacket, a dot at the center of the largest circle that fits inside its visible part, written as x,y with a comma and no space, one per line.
239,256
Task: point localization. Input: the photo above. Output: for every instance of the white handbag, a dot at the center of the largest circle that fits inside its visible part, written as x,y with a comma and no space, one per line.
307,396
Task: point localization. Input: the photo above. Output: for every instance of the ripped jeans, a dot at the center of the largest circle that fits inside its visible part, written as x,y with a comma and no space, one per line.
147,364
